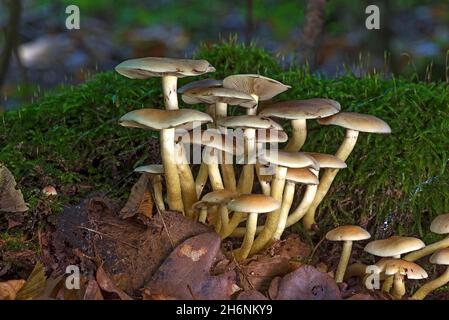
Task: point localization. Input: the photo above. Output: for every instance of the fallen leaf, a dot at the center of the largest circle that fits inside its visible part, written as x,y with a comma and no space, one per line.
361,296
306,283
106,284
35,284
251,295
9,289
140,200
11,199
185,274
93,291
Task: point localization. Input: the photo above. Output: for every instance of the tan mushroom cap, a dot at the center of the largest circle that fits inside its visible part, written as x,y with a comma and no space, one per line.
409,269
249,121
151,168
271,135
205,83
253,203
394,246
290,159
440,257
211,138
301,175
357,121
157,119
220,196
214,95
327,160
348,233
144,68
440,224
263,87
199,205
302,109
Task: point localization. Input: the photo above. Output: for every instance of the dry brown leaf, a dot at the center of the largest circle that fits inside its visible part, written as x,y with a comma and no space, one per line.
35,284
93,291
106,284
9,289
11,199
251,295
140,200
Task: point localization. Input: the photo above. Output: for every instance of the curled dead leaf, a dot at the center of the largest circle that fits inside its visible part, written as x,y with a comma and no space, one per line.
9,289
106,284
140,200
35,284
11,199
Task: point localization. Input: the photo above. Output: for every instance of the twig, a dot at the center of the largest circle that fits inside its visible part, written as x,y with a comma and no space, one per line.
316,248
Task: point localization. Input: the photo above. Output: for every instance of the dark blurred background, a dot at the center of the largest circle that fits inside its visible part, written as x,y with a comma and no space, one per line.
38,52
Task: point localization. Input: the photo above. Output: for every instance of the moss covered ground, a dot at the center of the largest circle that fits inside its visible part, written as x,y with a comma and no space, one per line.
70,138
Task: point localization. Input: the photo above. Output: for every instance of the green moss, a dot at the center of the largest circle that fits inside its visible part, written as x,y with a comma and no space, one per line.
71,138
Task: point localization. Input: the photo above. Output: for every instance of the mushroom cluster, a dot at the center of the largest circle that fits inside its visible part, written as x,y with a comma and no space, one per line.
240,161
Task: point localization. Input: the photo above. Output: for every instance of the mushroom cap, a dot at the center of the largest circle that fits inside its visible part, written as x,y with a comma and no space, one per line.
327,160
249,121
205,83
144,68
440,224
290,159
157,119
394,246
212,138
302,109
271,135
409,269
348,233
301,175
199,205
263,87
151,168
219,94
254,203
440,257
220,196
357,121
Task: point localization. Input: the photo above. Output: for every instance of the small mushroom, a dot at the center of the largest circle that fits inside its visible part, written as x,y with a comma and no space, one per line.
155,171
354,123
220,198
253,204
440,257
260,87
49,191
398,268
439,225
298,111
166,121
348,234
200,208
169,69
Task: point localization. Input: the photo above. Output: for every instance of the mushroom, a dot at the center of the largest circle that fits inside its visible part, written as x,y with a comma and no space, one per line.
220,198
155,171
439,225
282,160
186,180
166,121
253,204
298,111
204,83
398,268
169,69
354,123
393,247
260,87
220,98
348,234
200,208
294,176
49,191
440,257
249,124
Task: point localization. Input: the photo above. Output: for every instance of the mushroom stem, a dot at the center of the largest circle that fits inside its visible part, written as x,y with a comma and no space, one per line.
228,173
201,179
174,197
264,184
203,215
388,284
427,250
169,88
187,181
248,240
430,286
277,189
287,200
214,171
301,210
156,182
398,286
224,215
253,110
329,175
299,135
344,260
355,270
221,110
